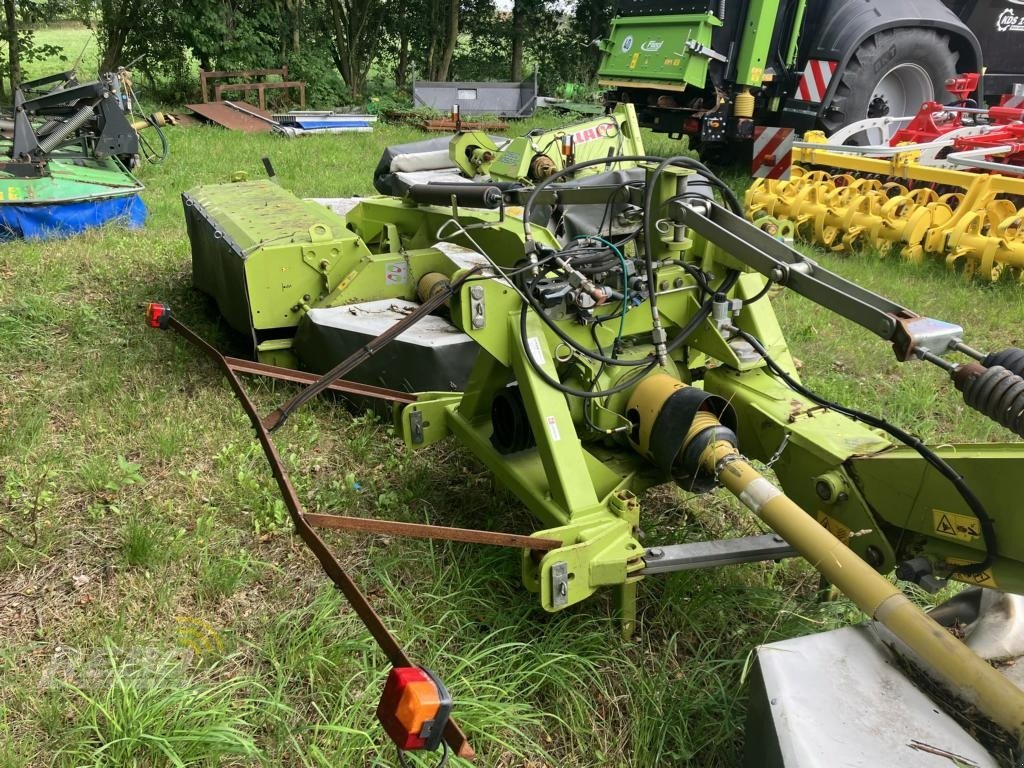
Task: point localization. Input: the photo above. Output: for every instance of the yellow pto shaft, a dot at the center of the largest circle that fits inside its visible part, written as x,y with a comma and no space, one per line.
942,655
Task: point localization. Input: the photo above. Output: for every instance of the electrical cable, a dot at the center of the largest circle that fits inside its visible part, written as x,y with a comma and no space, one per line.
567,390
988,532
760,295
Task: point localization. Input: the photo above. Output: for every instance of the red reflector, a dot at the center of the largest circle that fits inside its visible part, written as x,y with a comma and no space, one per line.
158,315
414,708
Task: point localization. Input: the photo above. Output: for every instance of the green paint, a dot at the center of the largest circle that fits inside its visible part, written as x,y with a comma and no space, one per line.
68,181
758,29
651,50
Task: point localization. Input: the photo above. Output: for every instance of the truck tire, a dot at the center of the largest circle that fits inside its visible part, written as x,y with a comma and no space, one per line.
892,74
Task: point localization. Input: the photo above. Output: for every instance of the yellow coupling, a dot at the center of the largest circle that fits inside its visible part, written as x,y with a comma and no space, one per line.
743,104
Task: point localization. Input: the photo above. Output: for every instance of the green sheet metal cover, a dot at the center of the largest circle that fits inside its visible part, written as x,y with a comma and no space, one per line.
255,213
70,181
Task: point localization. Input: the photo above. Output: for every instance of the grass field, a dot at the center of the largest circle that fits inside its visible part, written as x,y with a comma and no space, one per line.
155,610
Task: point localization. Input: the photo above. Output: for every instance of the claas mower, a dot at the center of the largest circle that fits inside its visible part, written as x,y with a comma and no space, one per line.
584,367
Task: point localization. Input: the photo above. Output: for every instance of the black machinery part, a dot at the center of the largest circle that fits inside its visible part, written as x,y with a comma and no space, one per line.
469,195
836,29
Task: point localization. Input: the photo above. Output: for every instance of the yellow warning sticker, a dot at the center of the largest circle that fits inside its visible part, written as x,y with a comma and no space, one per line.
954,526
834,527
983,579
634,60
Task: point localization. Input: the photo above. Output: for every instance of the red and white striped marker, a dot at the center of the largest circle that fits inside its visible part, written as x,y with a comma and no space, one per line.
773,152
814,83
1014,102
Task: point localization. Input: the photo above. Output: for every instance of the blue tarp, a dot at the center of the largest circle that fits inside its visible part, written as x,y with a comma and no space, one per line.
312,124
44,222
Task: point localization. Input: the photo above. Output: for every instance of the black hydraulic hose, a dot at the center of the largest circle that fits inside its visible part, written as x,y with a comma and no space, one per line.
988,531
727,194
760,294
584,393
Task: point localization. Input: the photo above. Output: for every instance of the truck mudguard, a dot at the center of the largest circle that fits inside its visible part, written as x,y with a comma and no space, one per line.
836,29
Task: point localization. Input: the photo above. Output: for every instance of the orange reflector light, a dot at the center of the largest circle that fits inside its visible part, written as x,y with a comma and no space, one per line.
414,708
158,315
568,145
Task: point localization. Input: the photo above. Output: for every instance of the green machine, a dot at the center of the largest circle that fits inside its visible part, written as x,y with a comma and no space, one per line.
532,158
583,371
715,70
66,153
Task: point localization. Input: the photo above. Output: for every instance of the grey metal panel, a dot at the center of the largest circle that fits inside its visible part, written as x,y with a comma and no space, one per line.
478,98
838,700
433,355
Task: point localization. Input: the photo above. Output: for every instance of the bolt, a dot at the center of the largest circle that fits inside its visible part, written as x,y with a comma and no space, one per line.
663,285
823,489
873,556
563,589
678,283
477,292
778,275
324,264
656,553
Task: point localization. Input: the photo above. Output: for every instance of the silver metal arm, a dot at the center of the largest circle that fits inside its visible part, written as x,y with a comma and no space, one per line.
910,334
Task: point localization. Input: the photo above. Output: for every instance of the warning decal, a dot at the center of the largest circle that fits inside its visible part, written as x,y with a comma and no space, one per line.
954,526
983,579
773,152
834,527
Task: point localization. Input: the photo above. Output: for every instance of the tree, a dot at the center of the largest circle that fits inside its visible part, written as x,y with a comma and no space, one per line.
527,15
592,21
13,46
357,27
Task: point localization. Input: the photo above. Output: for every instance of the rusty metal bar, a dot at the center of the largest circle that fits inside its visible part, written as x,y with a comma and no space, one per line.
238,365
276,418
453,735
421,531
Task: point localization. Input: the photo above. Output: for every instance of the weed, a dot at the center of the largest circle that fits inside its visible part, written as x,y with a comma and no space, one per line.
220,577
141,544
162,721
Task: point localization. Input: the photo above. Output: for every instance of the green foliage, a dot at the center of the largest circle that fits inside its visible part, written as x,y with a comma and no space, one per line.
325,87
345,50
169,717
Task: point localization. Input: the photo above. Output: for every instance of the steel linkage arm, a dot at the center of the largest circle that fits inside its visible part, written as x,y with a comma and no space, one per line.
910,334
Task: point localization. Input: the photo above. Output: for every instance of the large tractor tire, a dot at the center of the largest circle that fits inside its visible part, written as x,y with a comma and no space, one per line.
892,74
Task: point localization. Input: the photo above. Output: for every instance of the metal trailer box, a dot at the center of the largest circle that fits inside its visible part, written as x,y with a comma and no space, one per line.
478,98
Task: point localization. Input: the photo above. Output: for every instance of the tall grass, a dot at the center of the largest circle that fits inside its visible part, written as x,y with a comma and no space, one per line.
153,487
